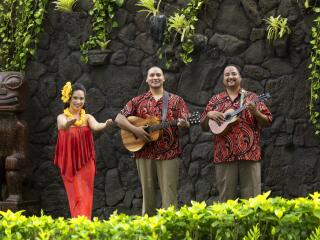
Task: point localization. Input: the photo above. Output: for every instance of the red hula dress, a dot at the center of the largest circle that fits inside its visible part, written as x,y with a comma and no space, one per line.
75,158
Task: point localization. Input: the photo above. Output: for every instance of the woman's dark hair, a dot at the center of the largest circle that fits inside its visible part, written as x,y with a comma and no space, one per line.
76,87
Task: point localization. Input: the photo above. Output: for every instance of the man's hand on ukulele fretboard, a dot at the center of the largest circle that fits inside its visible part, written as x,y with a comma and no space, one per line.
216,116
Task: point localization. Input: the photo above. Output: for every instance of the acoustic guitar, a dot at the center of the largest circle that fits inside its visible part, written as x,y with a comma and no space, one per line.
231,117
153,126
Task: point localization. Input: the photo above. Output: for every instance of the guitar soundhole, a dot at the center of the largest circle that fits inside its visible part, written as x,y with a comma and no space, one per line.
147,129
227,117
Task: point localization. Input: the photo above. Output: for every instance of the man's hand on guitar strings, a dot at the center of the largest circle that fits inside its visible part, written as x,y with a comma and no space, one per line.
216,116
139,132
251,106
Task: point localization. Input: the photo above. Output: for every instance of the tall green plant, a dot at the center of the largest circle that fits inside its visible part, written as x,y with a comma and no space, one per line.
314,77
277,27
102,21
20,24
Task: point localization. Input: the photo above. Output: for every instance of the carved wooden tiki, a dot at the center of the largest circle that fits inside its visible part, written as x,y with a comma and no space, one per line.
14,162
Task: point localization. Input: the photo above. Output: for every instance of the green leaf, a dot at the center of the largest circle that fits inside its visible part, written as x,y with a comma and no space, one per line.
119,2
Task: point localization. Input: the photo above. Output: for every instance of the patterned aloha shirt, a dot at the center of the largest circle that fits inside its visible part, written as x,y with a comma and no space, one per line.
144,106
242,142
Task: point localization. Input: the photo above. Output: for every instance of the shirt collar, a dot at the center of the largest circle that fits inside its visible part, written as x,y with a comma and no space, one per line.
149,95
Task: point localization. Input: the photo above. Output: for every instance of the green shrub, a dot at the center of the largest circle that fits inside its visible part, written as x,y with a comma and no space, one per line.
256,218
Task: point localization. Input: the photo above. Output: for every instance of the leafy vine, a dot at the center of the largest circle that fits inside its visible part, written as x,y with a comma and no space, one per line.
102,21
182,26
21,22
314,105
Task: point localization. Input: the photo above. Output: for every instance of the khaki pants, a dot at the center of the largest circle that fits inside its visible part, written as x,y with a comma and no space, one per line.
246,174
164,172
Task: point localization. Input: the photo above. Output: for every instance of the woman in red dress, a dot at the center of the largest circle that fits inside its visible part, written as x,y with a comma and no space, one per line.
74,153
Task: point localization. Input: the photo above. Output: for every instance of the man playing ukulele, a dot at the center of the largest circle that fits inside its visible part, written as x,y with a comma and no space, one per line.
158,160
237,152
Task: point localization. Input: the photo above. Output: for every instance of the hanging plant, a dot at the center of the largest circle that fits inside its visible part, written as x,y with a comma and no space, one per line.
157,21
21,22
102,22
314,105
180,30
180,25
148,6
65,5
277,28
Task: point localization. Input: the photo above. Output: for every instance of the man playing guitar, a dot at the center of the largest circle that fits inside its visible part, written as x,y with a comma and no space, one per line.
158,160
237,152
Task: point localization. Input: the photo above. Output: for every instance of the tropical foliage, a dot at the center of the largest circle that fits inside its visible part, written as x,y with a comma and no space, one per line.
102,21
257,218
20,24
182,26
65,5
314,105
149,7
277,27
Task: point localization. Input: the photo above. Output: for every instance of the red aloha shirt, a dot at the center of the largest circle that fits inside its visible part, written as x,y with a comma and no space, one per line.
242,142
144,106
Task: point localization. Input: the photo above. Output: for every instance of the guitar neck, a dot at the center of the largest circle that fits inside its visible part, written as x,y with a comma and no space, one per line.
239,110
162,125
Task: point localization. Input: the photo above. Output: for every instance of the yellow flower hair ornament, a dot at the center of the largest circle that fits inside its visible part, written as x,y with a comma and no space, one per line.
66,92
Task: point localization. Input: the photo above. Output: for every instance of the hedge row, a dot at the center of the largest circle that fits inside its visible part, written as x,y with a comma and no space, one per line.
256,218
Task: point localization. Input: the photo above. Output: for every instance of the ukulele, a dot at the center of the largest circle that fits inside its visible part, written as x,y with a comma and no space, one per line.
231,117
153,126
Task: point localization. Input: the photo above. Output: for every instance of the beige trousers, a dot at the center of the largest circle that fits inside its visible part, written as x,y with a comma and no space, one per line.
243,174
163,172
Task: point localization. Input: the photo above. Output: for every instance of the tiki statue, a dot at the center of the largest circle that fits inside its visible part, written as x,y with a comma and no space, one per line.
14,163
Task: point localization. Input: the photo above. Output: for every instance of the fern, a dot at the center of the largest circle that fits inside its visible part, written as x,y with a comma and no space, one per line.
253,233
315,235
